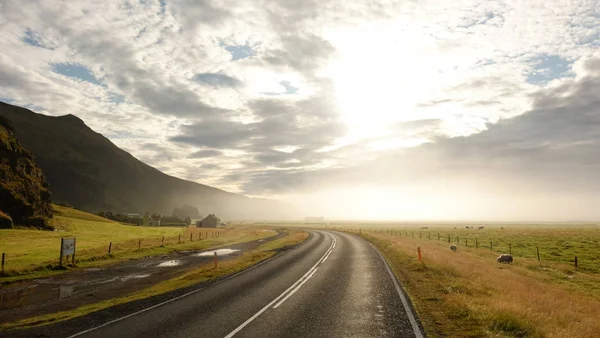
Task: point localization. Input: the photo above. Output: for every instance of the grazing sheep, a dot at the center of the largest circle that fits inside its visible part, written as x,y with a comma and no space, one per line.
453,247
480,228
504,258
424,228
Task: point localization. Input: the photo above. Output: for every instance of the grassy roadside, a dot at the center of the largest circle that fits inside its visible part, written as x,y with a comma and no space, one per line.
196,276
34,253
99,260
468,294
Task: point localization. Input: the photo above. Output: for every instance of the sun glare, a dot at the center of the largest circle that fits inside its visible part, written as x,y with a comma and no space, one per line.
378,77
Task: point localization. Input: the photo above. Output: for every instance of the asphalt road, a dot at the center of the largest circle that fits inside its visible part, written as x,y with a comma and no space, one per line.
333,285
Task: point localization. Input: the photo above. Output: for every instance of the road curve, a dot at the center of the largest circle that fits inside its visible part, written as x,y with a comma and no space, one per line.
333,285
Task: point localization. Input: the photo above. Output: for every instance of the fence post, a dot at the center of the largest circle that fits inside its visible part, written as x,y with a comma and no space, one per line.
162,243
61,252
3,263
491,247
109,247
457,241
448,238
3,254
537,248
509,249
191,234
429,235
139,244
199,234
466,242
74,250
179,240
476,243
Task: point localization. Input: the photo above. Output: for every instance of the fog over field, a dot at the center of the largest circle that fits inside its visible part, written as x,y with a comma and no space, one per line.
387,110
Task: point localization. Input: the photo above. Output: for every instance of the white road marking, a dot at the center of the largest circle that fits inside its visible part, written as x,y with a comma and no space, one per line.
309,272
176,298
296,289
327,256
407,308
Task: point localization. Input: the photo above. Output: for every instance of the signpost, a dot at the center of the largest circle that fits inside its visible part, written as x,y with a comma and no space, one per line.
67,247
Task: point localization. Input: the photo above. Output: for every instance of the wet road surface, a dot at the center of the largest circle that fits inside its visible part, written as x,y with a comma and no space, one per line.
333,285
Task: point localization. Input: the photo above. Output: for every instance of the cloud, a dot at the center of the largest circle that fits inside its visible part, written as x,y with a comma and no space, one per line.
333,93
217,80
205,153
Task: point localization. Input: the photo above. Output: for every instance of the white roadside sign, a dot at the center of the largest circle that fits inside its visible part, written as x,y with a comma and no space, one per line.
68,246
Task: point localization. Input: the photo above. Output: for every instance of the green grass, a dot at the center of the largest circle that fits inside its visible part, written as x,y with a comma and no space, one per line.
194,277
34,253
558,243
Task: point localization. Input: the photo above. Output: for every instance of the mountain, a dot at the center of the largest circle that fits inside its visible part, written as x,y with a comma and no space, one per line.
87,170
24,194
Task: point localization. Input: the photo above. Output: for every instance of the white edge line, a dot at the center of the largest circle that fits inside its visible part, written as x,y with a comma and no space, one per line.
178,297
296,289
407,308
249,320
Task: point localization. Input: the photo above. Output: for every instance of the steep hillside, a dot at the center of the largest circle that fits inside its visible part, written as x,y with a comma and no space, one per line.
88,171
24,194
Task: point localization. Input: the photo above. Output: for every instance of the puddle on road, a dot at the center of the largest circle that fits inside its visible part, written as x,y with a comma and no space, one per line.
126,278
220,252
168,263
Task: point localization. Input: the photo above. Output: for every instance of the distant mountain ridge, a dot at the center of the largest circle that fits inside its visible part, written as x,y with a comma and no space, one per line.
88,171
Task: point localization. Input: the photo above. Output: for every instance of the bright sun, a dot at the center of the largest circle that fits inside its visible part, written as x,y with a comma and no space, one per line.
379,78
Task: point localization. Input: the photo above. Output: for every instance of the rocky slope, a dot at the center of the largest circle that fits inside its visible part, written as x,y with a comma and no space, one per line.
24,193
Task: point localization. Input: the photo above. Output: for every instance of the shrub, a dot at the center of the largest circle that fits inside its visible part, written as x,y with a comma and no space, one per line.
5,221
39,222
6,123
511,325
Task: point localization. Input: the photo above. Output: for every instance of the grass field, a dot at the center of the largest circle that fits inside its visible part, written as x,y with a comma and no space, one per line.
468,294
196,276
32,253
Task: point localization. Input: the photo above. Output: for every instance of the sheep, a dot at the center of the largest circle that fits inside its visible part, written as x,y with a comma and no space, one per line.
480,228
453,247
504,258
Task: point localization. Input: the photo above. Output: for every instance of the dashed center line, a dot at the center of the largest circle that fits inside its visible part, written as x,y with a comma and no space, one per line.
285,295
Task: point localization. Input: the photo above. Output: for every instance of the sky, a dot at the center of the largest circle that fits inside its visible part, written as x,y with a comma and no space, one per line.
379,109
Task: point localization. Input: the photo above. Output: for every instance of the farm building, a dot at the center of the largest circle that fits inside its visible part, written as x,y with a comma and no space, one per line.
210,221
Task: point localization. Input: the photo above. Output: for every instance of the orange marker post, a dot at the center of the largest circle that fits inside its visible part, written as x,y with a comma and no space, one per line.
419,253
216,260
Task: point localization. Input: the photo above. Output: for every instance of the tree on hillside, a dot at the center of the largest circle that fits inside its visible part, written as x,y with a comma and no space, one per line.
185,212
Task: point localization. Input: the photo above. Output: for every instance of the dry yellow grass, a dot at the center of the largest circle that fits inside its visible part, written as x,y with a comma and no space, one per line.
468,294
